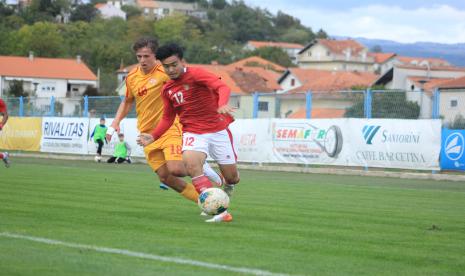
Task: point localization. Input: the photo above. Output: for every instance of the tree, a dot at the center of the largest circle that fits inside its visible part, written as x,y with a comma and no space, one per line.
273,54
176,29
15,89
131,11
458,123
219,4
385,105
376,49
85,12
321,34
43,38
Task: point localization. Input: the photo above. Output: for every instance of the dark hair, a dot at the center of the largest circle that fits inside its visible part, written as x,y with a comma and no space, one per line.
168,50
149,42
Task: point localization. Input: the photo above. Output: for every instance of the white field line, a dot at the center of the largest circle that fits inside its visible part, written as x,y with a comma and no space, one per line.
141,255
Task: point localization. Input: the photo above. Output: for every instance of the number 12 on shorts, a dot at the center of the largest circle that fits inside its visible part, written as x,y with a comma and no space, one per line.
188,141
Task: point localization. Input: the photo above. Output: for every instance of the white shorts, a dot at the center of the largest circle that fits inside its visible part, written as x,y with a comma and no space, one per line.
218,145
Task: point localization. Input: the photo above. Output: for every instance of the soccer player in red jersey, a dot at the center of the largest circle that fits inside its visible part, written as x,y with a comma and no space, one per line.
200,99
4,114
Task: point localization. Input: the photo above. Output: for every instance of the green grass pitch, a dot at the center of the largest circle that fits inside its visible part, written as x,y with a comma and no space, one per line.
297,224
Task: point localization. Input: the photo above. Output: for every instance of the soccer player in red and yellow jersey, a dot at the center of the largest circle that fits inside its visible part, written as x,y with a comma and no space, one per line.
4,113
201,101
143,87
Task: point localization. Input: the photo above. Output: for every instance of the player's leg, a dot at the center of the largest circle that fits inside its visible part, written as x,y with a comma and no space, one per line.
120,160
5,157
111,159
194,154
99,147
221,148
156,159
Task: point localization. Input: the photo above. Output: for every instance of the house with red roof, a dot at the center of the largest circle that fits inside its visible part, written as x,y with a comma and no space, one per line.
419,81
383,61
335,55
331,90
292,49
47,77
452,99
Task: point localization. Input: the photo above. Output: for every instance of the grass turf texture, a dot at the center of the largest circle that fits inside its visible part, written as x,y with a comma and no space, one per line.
284,223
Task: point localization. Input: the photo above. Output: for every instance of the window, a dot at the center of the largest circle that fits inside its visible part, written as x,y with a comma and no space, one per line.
262,106
75,89
292,82
454,103
309,53
328,53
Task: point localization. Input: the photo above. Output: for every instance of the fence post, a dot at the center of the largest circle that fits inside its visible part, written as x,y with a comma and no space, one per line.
255,106
436,94
367,104
52,106
21,106
86,106
308,104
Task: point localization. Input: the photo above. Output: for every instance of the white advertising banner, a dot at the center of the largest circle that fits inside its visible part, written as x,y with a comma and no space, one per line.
390,143
64,135
127,126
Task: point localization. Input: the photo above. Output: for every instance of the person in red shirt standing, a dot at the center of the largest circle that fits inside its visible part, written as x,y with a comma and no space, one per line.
200,99
4,113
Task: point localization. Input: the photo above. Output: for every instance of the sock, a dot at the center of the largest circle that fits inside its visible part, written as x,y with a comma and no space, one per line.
201,183
190,193
212,174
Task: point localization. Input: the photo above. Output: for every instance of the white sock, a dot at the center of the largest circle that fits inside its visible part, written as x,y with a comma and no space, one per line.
211,174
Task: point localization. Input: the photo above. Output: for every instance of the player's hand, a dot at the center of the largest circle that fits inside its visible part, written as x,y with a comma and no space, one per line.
110,131
226,109
145,139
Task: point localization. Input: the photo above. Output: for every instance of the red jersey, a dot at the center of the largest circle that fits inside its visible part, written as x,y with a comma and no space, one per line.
195,97
2,106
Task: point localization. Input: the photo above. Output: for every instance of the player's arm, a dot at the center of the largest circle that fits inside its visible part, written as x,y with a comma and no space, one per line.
169,114
216,84
124,107
4,120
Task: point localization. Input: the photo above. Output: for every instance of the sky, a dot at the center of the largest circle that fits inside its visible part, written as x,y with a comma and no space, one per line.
405,21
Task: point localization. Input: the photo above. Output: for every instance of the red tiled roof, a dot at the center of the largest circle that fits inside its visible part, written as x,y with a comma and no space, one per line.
147,4
326,81
418,60
99,5
340,46
381,57
433,68
260,44
256,61
51,68
429,83
318,113
454,83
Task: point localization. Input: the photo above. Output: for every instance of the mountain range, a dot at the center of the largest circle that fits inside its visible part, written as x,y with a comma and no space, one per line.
453,53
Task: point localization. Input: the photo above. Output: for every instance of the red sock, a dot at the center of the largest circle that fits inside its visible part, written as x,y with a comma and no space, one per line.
201,183
1,155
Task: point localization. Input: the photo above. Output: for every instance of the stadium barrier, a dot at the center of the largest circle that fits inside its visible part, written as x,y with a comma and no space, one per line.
453,149
384,143
393,104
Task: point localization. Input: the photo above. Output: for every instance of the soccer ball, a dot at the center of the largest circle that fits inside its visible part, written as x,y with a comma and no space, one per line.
98,159
213,201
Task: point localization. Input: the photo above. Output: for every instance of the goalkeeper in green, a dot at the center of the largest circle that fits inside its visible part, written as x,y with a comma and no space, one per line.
122,151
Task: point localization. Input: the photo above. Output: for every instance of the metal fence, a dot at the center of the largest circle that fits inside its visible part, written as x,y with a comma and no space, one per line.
339,104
